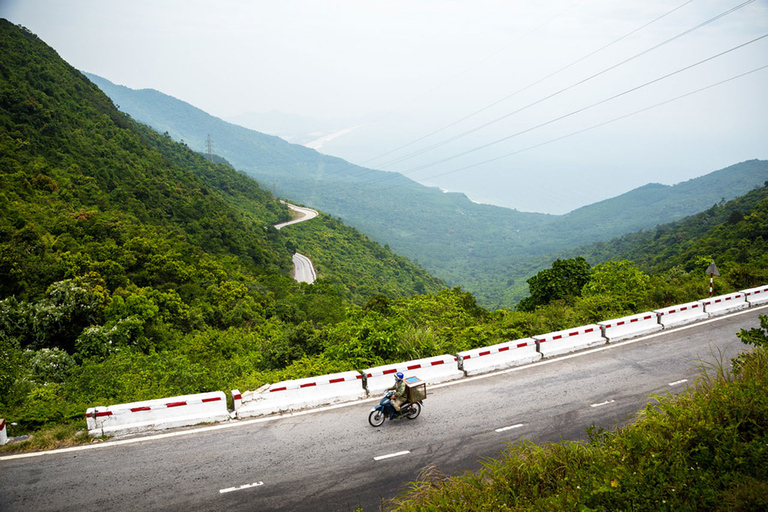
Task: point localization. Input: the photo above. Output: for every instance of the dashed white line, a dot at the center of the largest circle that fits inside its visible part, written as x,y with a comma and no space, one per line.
246,486
504,429
389,456
678,382
603,403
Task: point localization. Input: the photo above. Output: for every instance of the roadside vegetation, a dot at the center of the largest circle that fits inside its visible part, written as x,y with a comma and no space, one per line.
705,449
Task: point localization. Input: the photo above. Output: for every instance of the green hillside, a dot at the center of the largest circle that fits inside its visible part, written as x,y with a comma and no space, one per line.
134,268
733,233
487,250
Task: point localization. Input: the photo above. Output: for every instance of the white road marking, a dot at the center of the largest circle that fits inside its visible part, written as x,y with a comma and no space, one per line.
246,486
678,382
389,456
603,403
503,429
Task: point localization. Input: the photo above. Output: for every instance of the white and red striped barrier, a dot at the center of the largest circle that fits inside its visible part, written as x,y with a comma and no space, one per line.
164,413
682,314
631,326
298,394
723,304
569,340
498,357
3,433
431,370
756,295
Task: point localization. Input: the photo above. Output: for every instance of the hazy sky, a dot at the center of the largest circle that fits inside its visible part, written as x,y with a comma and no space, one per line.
419,74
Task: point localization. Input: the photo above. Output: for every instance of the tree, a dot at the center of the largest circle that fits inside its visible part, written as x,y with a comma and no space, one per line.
620,281
564,280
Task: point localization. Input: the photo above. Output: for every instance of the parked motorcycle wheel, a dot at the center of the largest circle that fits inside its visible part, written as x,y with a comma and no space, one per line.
414,412
376,418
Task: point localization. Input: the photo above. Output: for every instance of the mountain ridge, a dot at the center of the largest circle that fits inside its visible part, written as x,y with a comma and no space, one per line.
488,250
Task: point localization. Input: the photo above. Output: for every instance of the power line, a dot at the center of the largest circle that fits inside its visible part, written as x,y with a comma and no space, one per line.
648,50
594,126
628,91
580,82
476,112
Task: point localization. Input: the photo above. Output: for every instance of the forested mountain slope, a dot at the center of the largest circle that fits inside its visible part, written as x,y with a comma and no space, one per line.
488,250
733,233
134,268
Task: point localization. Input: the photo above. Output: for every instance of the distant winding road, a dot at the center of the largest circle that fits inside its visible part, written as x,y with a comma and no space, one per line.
303,270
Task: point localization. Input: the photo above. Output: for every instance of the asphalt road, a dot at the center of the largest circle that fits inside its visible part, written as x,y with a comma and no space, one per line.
303,270
326,459
302,214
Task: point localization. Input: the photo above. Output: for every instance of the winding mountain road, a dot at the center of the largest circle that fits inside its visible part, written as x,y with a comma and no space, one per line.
303,270
330,459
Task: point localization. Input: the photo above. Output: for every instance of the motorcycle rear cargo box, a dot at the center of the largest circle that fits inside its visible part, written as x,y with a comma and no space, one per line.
416,390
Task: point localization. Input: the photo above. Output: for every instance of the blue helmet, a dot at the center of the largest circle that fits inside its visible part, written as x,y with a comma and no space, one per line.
399,375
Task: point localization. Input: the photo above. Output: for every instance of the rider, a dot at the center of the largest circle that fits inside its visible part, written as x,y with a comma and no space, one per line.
398,399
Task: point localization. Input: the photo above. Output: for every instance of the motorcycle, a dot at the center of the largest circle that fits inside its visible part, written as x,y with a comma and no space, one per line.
385,409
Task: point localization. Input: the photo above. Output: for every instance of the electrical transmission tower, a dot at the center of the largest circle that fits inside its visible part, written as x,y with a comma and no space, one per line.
209,147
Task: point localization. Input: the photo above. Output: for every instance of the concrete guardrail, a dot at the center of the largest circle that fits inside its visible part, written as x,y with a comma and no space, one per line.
164,413
3,433
297,394
569,340
432,370
630,326
682,314
498,357
757,295
723,304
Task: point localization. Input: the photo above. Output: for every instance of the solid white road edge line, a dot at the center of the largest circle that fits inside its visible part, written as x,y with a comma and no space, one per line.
504,429
677,382
243,423
246,486
389,456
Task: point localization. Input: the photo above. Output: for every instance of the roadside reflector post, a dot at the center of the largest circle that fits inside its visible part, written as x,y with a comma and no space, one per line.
712,271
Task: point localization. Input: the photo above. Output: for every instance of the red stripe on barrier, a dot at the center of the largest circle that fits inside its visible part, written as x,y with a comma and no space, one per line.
435,363
2,424
635,320
588,330
334,381
414,367
308,385
620,323
557,337
485,353
692,307
388,372
519,345
140,409
359,376
176,404
647,317
237,397
278,389
100,414
467,357
574,333
214,399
